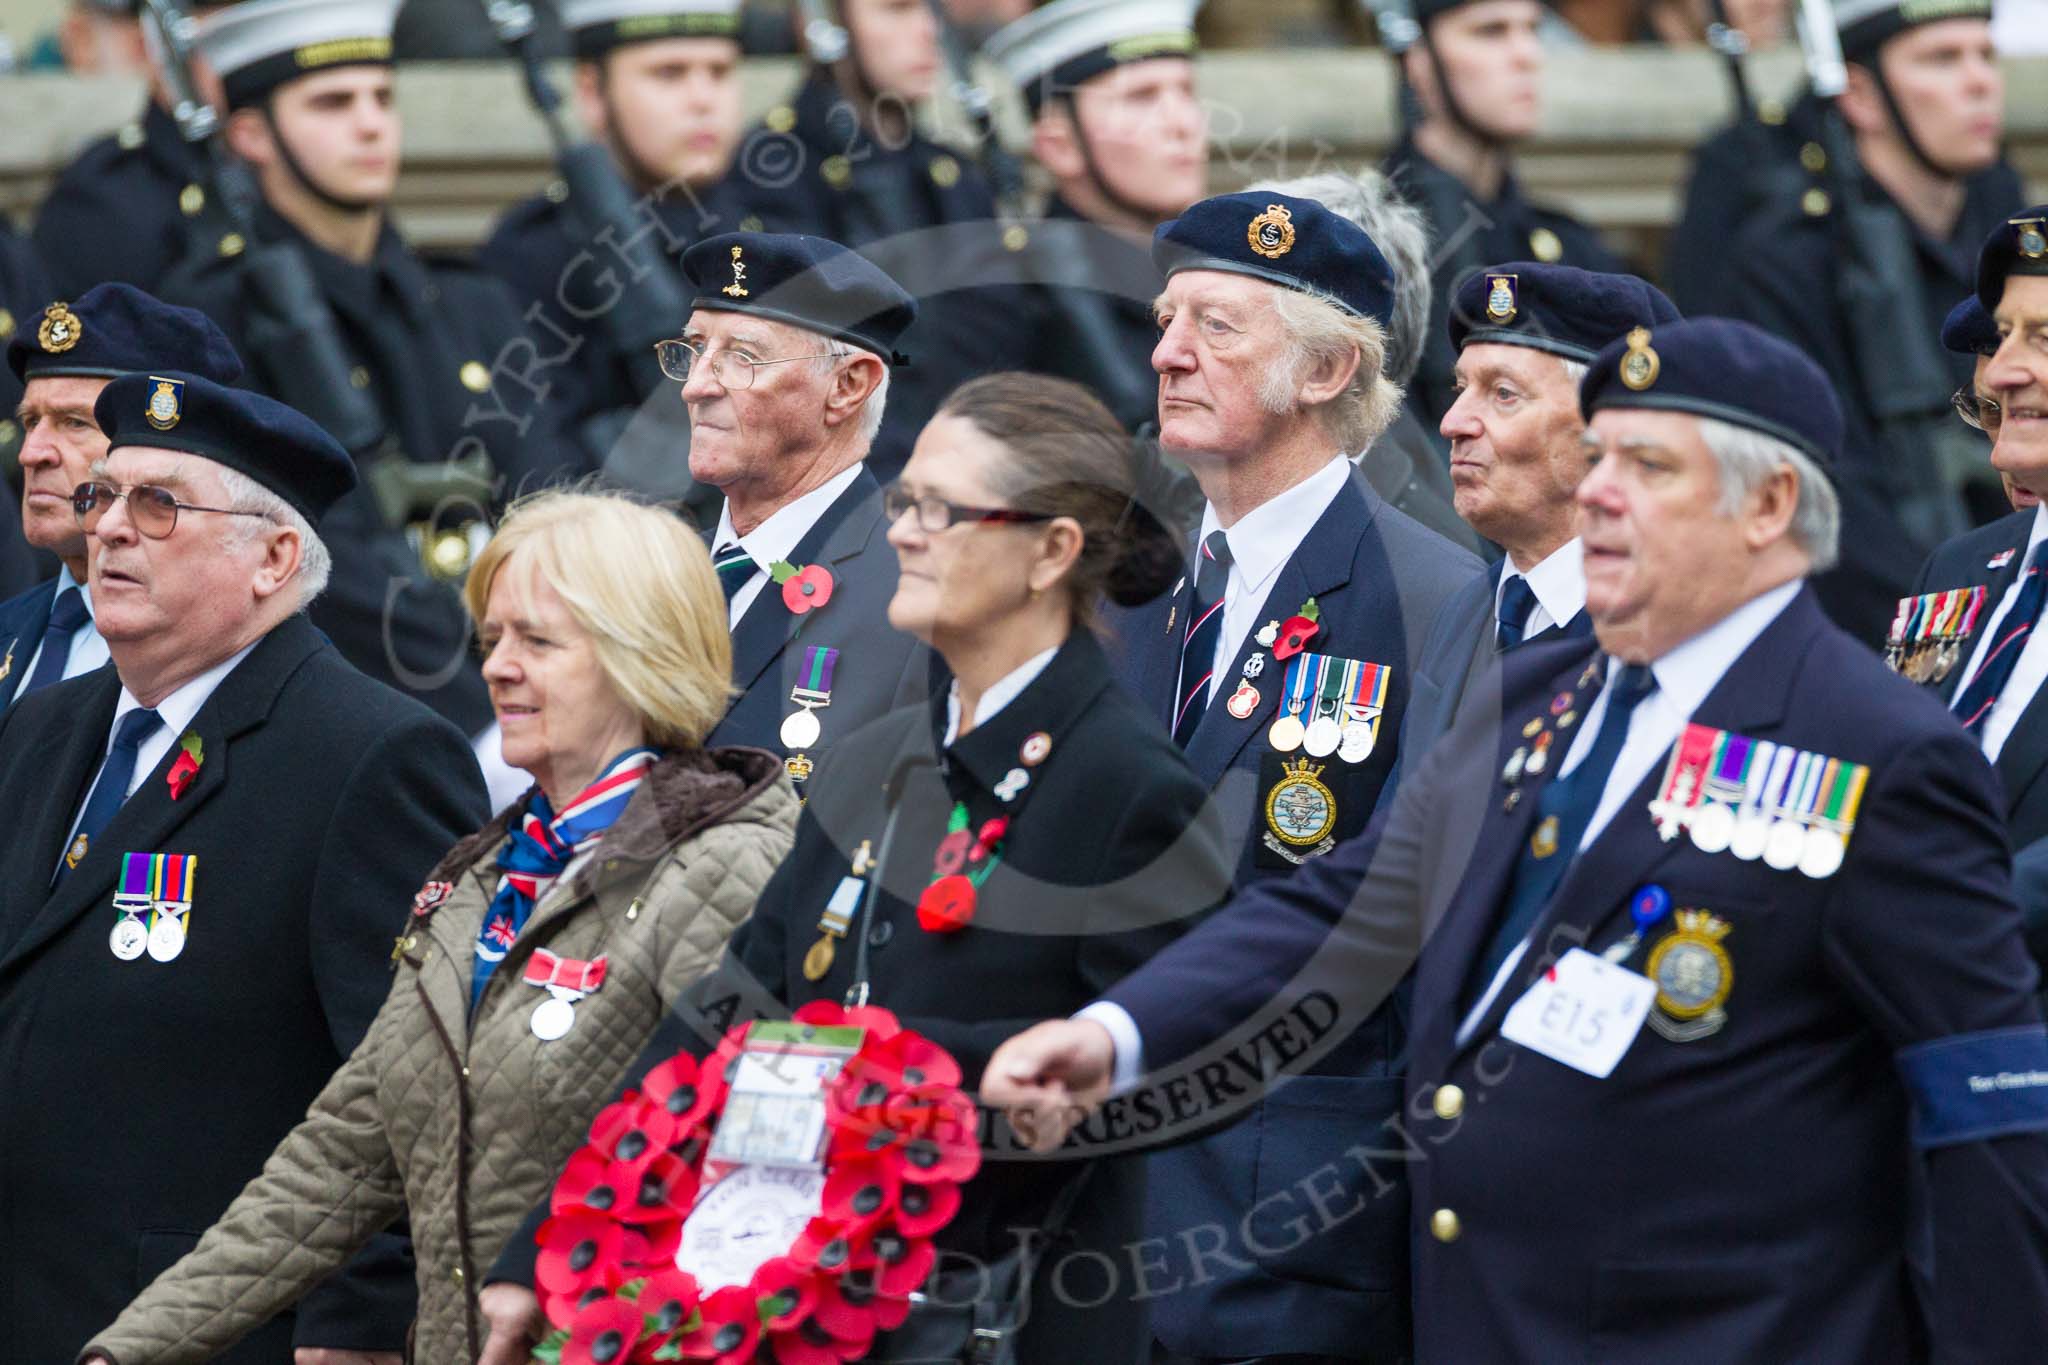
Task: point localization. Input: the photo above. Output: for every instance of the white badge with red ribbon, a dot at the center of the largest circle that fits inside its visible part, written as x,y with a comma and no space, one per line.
566,980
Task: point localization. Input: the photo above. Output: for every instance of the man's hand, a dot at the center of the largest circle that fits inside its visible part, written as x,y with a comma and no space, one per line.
1049,1078
516,1323
320,1355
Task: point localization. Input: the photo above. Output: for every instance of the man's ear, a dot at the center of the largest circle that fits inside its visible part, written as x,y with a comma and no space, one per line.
852,387
1863,108
283,554
1055,142
591,110
249,137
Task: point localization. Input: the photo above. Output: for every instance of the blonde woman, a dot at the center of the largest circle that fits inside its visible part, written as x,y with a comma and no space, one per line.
542,950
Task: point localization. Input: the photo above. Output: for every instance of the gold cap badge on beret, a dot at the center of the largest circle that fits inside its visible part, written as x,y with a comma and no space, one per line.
738,288
1271,234
1500,297
60,330
166,403
2031,241
1640,365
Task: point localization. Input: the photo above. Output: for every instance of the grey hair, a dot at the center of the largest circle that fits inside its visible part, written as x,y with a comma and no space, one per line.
1318,329
878,401
1747,457
1574,370
1401,232
247,495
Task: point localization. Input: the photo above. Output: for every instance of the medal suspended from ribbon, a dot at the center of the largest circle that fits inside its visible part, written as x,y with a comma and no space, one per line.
155,903
800,729
566,980
1365,701
1288,728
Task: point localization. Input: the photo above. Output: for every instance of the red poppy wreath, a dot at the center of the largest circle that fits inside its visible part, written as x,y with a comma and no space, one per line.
900,1139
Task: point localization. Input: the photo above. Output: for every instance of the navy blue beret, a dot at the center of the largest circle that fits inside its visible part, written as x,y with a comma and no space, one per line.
807,282
115,328
277,446
1717,367
1556,308
1295,243
2017,246
1968,329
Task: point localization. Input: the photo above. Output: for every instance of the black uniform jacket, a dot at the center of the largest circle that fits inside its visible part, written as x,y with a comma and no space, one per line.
1752,1194
1467,235
142,1095
878,668
129,207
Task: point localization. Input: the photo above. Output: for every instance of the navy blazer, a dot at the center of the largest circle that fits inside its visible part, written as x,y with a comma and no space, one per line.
23,619
1752,1195
879,667
1378,578
159,1089
1461,643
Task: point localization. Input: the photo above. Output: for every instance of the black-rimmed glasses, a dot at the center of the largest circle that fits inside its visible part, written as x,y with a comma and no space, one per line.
935,514
154,510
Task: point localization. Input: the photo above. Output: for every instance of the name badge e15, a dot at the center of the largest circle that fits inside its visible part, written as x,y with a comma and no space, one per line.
1585,1012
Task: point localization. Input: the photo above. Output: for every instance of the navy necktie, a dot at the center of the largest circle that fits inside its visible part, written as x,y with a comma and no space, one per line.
735,569
1205,628
1563,811
110,789
67,614
1517,600
1974,703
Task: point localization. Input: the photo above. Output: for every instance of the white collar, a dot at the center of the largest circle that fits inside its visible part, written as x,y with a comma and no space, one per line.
777,537
1559,582
1688,672
1266,537
65,580
177,710
1000,693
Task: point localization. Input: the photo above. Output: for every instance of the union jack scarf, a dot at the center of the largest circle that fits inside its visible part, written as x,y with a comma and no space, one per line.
540,845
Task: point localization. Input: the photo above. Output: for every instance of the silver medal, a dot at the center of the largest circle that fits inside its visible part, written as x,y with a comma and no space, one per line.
1752,831
1357,743
1323,737
1822,856
553,1018
800,729
129,939
166,936
1786,845
1712,826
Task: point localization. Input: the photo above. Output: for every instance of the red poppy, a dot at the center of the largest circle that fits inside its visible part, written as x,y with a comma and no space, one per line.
784,1294
1295,633
846,1310
577,1252
807,589
603,1334
181,774
627,1133
952,853
879,1023
903,1263
729,1332
585,1185
922,1061
669,1299
922,1210
809,1344
859,1191
561,1309
991,834
947,905
828,1245
663,1190
643,1244
683,1093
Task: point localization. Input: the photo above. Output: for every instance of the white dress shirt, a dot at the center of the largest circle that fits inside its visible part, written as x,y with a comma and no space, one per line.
778,536
1261,543
2031,668
1000,693
175,711
1559,583
88,650
1684,676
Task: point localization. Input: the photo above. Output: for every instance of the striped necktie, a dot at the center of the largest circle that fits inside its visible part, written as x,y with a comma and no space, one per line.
1974,703
1205,628
735,569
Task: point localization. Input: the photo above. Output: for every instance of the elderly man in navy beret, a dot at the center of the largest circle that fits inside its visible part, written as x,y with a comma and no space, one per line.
214,843
63,358
784,366
1524,333
1282,664
1714,952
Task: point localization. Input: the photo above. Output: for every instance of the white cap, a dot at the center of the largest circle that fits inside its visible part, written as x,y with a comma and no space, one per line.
1069,41
597,26
258,45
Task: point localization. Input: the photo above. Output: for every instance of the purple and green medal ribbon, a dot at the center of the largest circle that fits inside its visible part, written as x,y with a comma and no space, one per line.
815,676
156,879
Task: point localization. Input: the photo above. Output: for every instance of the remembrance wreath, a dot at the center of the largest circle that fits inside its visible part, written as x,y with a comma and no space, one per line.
901,1136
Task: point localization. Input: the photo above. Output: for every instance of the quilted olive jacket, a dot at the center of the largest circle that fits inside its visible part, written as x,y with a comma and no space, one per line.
461,1123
